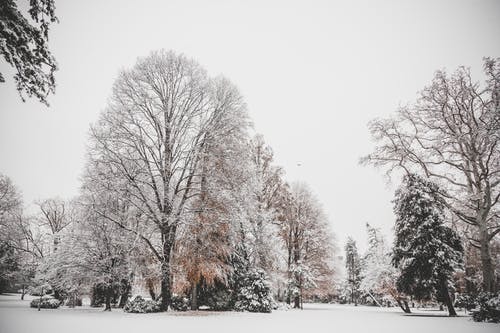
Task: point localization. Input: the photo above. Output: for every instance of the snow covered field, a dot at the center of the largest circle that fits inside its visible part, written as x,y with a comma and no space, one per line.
17,317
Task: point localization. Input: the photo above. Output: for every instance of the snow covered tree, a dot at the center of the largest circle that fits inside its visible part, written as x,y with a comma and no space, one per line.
309,245
377,268
54,216
22,243
207,236
254,294
267,185
353,268
425,250
378,275
452,136
10,199
94,254
151,139
24,46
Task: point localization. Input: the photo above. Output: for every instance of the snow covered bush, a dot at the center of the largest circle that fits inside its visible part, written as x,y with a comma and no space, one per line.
465,301
39,290
489,308
254,294
141,305
218,298
46,302
179,303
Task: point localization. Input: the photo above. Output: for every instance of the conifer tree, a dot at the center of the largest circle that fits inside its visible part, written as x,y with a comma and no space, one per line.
353,267
425,250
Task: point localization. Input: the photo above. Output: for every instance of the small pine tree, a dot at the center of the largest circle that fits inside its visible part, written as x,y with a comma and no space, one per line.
255,293
425,250
353,267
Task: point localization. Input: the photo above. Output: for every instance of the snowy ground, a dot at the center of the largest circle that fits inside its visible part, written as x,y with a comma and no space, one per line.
16,316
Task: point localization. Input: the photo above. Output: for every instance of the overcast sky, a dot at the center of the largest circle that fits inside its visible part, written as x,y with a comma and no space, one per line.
313,73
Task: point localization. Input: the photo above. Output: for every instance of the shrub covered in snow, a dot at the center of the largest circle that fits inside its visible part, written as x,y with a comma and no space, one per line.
254,294
465,301
217,297
40,290
488,308
46,302
180,303
141,305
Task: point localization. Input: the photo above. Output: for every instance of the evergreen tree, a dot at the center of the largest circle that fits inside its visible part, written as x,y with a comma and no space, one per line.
24,46
426,251
353,267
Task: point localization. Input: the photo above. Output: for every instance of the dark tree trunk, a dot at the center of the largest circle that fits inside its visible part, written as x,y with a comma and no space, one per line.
194,297
23,292
125,293
447,299
403,305
296,302
40,300
488,269
166,296
406,307
57,294
109,292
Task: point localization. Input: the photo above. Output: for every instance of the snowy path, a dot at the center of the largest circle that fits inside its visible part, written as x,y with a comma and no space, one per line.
17,317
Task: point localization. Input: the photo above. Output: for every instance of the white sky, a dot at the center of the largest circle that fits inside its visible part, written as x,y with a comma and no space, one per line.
313,73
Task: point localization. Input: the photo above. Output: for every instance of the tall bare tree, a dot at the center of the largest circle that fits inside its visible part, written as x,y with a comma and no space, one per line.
452,135
268,188
309,244
150,141
55,217
21,241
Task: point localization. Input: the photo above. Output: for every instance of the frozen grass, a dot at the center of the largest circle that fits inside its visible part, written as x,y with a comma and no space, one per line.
16,316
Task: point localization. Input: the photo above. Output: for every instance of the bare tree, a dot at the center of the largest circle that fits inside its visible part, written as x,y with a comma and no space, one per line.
452,136
20,238
309,244
268,188
206,239
150,142
55,217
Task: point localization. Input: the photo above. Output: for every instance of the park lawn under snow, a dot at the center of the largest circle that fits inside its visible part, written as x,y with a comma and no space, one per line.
16,316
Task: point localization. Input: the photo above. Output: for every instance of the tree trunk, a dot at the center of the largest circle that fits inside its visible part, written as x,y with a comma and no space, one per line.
23,292
194,297
296,302
57,294
301,299
488,269
406,307
447,299
40,300
400,305
125,294
397,298
166,295
109,291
